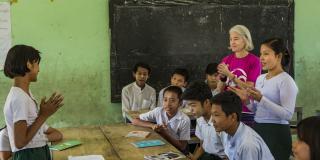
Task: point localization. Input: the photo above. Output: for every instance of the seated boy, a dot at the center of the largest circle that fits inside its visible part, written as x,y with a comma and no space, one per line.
169,121
213,79
5,149
197,96
240,141
179,78
138,95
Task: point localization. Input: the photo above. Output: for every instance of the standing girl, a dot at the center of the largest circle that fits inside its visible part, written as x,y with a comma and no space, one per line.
28,134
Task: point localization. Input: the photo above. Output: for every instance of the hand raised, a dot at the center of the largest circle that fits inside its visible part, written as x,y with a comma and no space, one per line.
223,69
50,106
242,93
254,93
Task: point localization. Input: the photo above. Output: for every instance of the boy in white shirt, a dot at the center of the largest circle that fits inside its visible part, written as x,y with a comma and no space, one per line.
5,149
172,124
240,141
213,79
197,96
138,95
179,78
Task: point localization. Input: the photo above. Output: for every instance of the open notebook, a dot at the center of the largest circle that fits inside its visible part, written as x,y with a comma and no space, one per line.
140,134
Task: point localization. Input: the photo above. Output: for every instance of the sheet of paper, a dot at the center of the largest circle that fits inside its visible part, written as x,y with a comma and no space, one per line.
87,157
5,31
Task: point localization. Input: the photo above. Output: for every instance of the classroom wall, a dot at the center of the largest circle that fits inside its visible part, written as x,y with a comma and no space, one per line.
74,38
307,50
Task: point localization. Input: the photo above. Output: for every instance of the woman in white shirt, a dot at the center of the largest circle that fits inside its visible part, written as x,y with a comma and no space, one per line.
273,99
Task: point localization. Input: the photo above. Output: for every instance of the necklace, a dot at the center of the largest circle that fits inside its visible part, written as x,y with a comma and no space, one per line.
269,76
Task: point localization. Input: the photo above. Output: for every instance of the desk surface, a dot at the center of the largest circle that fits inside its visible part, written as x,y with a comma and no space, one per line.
134,114
93,142
122,145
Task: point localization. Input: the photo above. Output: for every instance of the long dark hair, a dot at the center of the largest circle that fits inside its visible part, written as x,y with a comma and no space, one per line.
279,47
309,132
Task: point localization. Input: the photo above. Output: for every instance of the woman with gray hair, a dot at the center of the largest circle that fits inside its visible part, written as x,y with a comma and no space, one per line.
241,68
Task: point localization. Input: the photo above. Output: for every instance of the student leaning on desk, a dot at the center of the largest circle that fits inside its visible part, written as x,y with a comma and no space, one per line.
171,123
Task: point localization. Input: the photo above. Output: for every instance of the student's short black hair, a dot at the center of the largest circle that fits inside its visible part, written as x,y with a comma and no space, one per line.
174,89
142,65
212,68
17,58
309,132
229,102
183,72
197,90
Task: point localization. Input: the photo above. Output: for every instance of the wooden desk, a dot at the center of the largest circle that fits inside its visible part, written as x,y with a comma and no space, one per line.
126,151
93,142
134,114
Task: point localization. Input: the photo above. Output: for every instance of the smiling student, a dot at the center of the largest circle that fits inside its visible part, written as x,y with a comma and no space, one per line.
138,94
240,141
172,124
25,121
197,95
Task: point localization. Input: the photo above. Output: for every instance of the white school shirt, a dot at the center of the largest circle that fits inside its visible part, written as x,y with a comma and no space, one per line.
178,126
134,99
211,141
20,106
214,91
245,144
4,140
278,101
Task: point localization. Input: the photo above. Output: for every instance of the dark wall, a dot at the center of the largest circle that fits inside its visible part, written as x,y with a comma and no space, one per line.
168,36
